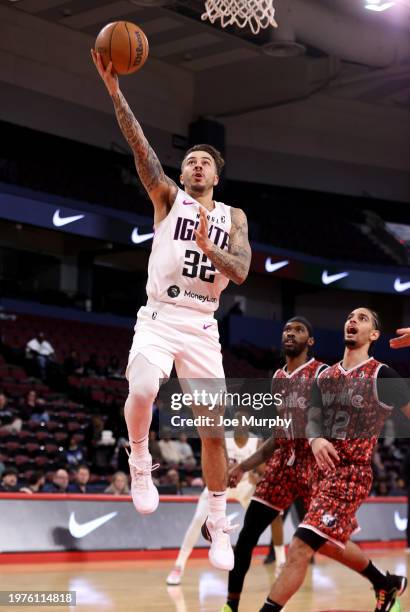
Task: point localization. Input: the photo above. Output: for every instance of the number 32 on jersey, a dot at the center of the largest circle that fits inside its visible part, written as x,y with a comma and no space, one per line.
198,265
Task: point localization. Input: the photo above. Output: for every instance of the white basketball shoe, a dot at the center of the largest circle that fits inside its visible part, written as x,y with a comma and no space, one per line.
174,578
144,492
220,553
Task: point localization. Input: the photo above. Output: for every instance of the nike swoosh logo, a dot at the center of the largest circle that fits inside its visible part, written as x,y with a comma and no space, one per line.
273,266
400,287
401,523
206,326
379,8
137,238
327,278
59,221
187,202
80,531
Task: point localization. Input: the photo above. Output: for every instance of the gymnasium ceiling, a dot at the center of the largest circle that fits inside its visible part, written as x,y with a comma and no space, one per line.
178,36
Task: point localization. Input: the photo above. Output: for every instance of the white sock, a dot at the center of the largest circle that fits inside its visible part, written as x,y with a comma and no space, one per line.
280,554
139,449
217,505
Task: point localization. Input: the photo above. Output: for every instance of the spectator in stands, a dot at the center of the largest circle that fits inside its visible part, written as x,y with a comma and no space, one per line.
399,488
382,488
113,369
169,448
171,479
388,433
96,428
59,483
81,478
74,455
41,415
154,447
185,451
9,480
40,350
31,405
119,485
197,482
72,364
103,448
35,483
8,415
377,464
91,367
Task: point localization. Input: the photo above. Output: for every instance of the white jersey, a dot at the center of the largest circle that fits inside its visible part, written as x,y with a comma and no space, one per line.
238,454
178,271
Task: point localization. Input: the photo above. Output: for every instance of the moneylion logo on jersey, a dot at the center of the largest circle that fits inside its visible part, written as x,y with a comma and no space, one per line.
329,520
200,297
173,291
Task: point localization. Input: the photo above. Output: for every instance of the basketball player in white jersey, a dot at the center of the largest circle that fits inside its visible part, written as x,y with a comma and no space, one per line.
239,447
198,247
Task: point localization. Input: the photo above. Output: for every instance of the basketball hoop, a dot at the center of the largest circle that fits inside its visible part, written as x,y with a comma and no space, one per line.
258,14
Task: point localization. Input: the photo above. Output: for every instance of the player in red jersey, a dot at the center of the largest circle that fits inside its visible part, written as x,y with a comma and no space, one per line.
350,406
289,458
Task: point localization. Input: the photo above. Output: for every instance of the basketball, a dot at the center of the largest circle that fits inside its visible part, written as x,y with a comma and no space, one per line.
124,44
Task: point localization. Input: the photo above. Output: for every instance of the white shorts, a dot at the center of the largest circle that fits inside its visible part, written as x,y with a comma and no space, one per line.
166,333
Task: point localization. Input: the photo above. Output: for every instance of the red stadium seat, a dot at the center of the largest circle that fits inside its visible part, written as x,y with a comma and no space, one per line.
32,449
60,437
41,461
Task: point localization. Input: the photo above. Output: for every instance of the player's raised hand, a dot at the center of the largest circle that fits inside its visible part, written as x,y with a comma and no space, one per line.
108,75
325,454
402,340
201,234
235,475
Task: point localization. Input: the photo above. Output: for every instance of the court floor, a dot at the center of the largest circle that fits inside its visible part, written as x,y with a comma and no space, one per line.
140,586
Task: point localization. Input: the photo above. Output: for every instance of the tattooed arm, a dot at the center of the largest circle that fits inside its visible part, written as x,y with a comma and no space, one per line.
161,189
233,263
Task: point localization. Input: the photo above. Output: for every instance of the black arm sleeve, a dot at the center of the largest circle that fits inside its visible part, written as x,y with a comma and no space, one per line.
314,427
392,390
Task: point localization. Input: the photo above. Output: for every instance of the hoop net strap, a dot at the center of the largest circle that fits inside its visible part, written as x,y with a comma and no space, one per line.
258,14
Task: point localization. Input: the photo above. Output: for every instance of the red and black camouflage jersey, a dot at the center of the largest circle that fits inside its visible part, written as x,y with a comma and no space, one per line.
296,390
352,414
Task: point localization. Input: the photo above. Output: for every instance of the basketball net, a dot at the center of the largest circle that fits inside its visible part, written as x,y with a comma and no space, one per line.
258,14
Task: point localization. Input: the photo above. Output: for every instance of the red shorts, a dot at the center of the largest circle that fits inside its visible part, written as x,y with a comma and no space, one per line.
335,499
285,480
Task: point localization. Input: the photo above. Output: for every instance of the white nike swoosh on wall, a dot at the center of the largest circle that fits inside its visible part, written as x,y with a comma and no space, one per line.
400,287
59,221
401,523
137,238
273,266
78,530
327,278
